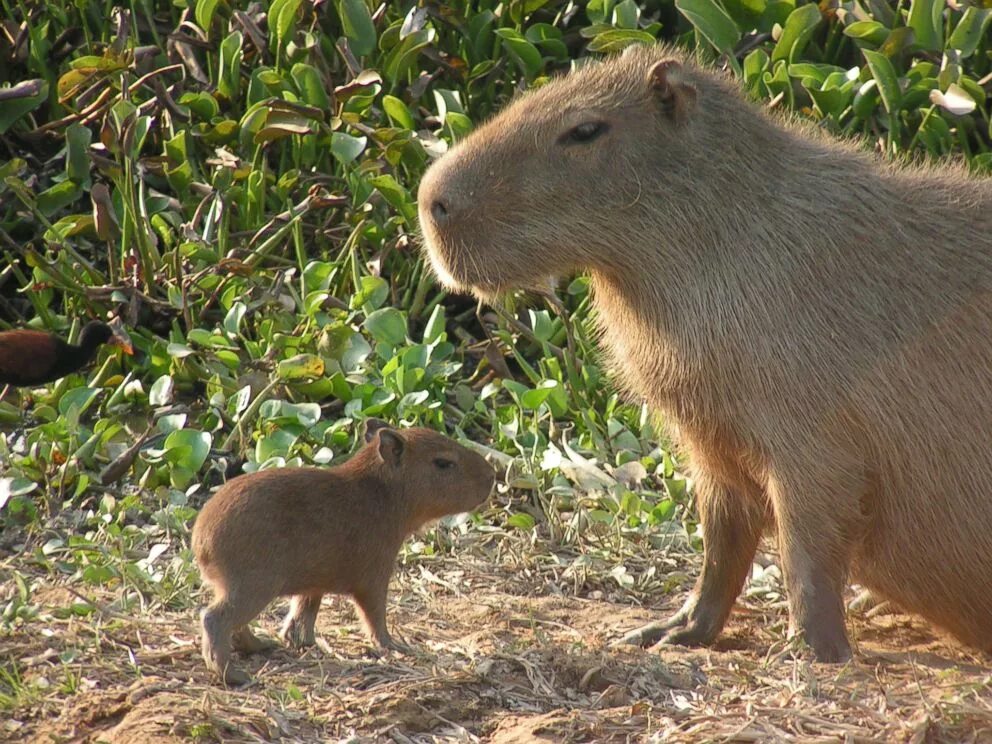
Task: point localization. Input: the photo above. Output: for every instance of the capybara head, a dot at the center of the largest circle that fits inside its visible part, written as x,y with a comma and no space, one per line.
553,183
438,475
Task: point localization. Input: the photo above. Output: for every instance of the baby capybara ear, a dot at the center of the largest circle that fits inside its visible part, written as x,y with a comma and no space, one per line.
390,445
668,81
373,425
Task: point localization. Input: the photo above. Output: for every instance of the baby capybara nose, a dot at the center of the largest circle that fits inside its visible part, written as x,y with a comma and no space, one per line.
439,211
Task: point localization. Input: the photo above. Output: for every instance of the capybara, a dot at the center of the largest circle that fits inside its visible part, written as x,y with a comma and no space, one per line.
304,532
813,323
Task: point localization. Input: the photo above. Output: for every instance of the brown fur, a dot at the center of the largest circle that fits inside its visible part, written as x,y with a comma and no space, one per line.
815,325
304,532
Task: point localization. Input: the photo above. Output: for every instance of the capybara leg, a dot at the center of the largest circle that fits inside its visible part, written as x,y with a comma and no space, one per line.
219,621
298,629
732,522
372,607
243,640
815,544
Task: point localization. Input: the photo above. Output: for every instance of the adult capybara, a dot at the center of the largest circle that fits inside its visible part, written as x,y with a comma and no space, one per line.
304,532
816,326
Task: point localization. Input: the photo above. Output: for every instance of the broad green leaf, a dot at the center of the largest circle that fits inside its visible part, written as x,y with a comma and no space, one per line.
797,32
300,366
356,22
387,326
712,21
970,31
616,40
885,74
397,112
346,148
20,99
926,20
204,13
191,448
525,54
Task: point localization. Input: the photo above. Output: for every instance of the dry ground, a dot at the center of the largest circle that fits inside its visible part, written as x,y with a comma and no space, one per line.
502,653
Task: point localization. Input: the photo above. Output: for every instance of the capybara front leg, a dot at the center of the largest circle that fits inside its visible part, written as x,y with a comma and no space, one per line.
371,604
732,522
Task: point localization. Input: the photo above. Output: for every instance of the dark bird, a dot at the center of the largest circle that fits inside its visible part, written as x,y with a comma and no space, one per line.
29,357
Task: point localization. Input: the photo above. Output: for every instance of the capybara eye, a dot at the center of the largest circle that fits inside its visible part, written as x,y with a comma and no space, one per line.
441,464
585,132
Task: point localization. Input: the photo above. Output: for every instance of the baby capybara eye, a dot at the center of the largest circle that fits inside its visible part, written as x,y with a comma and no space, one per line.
442,464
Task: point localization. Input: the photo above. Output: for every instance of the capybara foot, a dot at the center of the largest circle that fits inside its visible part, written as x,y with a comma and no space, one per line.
650,634
297,633
246,642
828,641
693,633
235,677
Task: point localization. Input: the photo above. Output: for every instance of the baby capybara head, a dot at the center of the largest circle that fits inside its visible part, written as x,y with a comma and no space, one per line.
438,475
557,180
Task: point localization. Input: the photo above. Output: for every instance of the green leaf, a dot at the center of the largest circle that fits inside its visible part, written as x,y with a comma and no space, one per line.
435,325
188,448
616,40
346,148
356,22
399,115
970,31
797,32
229,67
712,21
885,74
282,18
58,196
521,521
387,326
205,13
20,99
300,367
926,20
871,31
397,196
525,54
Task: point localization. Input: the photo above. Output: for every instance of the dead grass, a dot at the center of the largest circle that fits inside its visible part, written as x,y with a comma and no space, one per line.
504,652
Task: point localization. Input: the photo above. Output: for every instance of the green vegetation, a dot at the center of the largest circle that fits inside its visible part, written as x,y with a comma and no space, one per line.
238,182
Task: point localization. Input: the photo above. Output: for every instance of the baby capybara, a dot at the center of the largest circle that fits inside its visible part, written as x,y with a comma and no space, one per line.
813,323
304,532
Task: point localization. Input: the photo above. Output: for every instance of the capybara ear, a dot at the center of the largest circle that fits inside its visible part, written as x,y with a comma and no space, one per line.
390,446
679,97
373,425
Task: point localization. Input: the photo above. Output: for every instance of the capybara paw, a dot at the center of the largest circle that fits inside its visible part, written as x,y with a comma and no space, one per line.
252,644
834,651
693,634
235,677
650,634
296,636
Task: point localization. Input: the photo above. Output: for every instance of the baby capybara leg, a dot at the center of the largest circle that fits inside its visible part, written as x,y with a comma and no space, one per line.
371,604
219,622
298,629
243,640
732,522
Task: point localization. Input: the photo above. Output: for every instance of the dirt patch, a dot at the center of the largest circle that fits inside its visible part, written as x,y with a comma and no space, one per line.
491,662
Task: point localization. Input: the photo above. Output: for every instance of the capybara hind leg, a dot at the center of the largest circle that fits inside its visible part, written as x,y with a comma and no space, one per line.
732,521
243,640
371,604
298,629
219,622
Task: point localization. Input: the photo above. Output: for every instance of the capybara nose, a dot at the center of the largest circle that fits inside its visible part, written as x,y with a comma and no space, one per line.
439,211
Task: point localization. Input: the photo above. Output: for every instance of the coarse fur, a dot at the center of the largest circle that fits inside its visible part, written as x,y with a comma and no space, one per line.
30,357
304,532
813,323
